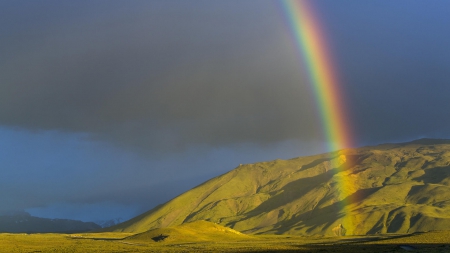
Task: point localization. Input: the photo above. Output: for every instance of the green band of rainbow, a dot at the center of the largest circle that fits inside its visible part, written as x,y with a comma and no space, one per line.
310,42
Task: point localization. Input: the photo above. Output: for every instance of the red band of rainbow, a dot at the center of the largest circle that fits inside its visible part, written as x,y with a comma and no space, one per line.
311,44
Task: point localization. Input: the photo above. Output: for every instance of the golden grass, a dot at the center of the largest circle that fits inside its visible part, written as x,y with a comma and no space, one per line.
436,241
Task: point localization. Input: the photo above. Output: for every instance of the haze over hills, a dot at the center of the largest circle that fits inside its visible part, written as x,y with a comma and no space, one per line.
395,188
108,223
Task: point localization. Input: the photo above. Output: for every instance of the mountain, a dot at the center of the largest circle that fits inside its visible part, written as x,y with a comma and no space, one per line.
390,188
25,223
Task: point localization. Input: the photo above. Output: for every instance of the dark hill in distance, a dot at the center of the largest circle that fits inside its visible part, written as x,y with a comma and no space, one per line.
25,223
390,188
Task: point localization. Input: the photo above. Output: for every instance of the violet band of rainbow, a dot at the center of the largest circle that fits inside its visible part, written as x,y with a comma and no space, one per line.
311,45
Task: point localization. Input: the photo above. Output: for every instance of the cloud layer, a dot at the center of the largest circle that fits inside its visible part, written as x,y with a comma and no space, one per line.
163,76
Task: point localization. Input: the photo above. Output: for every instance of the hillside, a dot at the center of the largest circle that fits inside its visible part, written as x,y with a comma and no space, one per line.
391,188
189,232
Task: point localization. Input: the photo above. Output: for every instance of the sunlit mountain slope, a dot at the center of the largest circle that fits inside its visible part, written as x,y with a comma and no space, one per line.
395,188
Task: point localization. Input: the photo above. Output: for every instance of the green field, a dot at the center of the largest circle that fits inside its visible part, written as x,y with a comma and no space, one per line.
438,241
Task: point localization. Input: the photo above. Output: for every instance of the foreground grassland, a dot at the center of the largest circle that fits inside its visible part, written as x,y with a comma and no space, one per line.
438,241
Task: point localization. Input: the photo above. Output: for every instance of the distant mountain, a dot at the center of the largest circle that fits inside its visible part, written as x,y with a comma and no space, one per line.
391,188
25,223
108,223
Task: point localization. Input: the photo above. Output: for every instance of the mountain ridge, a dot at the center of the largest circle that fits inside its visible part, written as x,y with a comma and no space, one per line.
395,188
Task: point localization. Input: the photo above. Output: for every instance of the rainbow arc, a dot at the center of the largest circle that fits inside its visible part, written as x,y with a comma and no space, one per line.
311,43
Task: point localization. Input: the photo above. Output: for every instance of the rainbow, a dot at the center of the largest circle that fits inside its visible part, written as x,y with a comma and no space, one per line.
310,42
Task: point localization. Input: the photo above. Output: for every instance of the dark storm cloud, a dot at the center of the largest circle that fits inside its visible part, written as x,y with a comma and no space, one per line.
168,74
153,74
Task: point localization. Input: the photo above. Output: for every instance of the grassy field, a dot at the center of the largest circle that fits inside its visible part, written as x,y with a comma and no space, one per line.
438,241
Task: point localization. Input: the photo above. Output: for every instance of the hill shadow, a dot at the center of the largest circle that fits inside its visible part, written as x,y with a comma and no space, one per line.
435,175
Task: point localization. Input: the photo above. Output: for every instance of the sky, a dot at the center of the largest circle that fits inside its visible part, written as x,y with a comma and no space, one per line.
109,108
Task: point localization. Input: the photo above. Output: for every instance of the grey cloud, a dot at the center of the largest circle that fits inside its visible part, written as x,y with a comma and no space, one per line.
161,77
